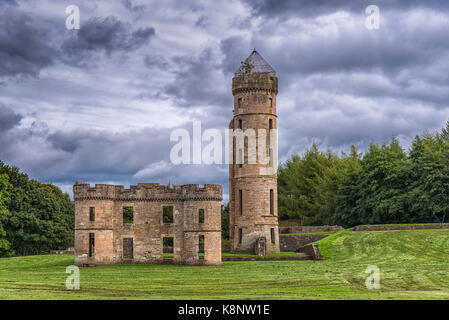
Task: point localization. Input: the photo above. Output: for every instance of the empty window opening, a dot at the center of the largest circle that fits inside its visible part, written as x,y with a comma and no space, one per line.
273,240
240,236
271,102
128,248
239,102
128,215
241,201
240,124
201,247
91,244
271,202
167,214
167,247
270,124
201,215
92,214
240,158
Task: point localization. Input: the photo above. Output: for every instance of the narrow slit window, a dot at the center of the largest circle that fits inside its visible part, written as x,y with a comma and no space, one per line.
273,239
201,251
271,202
271,102
92,214
240,236
239,102
167,214
128,215
241,201
201,215
240,158
240,124
270,124
91,244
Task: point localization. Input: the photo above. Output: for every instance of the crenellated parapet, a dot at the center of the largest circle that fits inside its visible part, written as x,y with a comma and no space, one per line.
259,81
148,192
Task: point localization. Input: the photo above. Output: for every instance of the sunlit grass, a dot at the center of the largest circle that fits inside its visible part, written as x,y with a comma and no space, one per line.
414,264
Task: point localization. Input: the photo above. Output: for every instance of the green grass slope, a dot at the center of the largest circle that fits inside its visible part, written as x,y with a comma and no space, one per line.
414,264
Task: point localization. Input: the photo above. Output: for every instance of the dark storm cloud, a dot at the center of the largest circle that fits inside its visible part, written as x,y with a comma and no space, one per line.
235,50
156,61
24,44
309,9
89,155
106,35
140,9
8,118
198,81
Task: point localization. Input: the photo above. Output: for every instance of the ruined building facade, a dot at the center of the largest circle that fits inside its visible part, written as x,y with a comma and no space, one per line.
117,225
253,186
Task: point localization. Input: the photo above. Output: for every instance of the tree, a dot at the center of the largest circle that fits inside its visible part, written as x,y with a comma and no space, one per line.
5,198
225,221
41,216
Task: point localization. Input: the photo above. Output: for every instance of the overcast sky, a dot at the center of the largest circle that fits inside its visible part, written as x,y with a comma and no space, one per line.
98,104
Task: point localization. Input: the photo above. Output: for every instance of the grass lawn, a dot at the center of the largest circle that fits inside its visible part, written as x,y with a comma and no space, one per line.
414,264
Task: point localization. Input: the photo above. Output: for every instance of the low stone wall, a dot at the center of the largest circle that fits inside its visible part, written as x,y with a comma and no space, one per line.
312,251
399,227
309,229
301,256
293,243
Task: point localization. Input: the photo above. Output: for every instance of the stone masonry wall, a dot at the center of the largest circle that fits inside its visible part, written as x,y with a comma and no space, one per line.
293,243
254,105
147,230
401,227
309,229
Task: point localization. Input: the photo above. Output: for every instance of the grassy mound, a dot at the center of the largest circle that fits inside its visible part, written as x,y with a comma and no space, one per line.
414,264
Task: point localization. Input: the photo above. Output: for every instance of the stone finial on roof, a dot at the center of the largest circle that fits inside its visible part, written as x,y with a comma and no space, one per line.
259,64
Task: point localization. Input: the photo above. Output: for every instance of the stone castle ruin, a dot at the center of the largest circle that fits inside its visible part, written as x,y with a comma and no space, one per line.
253,187
118,225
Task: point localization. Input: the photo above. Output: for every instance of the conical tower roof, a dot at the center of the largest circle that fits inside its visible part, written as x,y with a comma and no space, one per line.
259,63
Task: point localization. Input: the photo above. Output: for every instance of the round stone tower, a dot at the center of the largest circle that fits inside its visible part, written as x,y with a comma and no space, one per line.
253,169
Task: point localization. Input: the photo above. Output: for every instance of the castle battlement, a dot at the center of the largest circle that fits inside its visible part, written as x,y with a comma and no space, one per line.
148,192
260,81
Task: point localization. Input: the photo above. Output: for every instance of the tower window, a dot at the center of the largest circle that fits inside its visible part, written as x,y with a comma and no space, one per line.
273,240
271,102
271,202
270,124
239,102
201,215
167,214
241,201
240,158
240,236
128,215
240,124
91,244
201,251
92,214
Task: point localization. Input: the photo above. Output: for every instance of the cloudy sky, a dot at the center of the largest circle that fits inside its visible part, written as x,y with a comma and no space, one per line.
98,104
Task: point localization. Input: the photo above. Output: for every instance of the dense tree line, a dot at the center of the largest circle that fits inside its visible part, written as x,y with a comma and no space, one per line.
34,217
383,185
